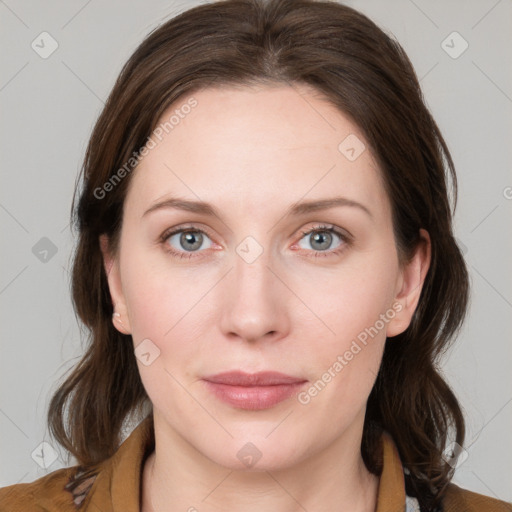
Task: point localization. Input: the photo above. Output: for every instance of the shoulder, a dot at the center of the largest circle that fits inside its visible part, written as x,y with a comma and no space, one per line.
57,491
92,488
458,499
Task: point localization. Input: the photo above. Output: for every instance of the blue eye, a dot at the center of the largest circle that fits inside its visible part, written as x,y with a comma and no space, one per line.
322,239
189,240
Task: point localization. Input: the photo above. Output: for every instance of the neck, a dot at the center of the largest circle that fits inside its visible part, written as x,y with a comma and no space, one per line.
176,477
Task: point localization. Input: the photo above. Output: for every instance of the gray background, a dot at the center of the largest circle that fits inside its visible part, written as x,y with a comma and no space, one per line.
48,109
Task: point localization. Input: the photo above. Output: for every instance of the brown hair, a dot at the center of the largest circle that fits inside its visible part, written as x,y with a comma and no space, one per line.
366,74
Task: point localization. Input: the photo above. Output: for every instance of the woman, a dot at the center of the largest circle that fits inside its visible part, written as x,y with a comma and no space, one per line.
267,267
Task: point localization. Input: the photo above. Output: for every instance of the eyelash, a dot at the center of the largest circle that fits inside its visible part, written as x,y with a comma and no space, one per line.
346,239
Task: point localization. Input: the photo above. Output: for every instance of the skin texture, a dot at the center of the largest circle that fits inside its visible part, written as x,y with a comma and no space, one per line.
251,153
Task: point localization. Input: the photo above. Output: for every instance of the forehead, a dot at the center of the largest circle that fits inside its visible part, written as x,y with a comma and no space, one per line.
256,145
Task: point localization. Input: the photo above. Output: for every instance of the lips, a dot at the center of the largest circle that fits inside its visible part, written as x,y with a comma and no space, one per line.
255,391
238,378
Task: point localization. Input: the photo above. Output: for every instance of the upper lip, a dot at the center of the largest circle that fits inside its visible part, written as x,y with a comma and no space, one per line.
239,378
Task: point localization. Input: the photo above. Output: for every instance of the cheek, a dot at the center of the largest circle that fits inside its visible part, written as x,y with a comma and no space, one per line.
355,307
158,297
163,314
170,308
352,302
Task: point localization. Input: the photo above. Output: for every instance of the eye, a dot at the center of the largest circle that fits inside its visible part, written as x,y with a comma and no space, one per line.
321,239
187,242
184,242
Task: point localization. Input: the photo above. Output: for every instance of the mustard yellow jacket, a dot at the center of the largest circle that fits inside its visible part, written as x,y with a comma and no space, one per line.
116,488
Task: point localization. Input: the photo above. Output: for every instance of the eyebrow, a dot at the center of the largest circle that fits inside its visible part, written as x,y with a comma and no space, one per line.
296,209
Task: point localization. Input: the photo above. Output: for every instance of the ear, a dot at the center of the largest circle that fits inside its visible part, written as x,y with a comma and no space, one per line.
409,286
120,317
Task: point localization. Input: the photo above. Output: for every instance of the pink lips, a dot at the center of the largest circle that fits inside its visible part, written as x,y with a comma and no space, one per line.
253,391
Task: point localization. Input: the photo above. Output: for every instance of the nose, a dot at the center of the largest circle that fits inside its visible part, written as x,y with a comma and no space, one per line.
255,301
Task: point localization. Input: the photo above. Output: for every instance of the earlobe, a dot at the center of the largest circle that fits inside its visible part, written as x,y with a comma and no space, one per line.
120,317
410,285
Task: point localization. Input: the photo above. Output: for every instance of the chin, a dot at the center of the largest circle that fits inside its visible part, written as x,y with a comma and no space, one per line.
256,454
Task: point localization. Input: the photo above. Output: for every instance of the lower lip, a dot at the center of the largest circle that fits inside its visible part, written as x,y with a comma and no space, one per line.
253,398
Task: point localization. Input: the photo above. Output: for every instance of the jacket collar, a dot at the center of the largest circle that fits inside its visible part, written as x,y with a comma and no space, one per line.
119,483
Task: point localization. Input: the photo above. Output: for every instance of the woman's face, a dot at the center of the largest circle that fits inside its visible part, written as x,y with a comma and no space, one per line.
262,284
